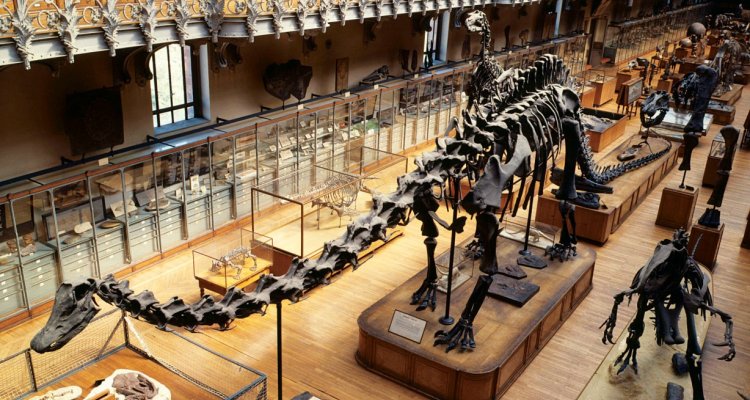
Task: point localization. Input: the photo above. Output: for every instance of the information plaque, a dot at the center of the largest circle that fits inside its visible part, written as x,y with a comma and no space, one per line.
407,326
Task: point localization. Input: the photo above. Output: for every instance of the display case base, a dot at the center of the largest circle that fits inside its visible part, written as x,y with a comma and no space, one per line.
604,91
677,206
599,140
629,191
709,173
507,337
654,366
731,96
708,249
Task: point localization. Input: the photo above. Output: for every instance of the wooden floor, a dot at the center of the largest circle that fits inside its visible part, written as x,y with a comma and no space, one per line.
320,332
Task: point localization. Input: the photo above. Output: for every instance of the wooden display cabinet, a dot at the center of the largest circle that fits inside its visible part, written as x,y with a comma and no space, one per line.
625,75
715,154
676,207
604,90
599,140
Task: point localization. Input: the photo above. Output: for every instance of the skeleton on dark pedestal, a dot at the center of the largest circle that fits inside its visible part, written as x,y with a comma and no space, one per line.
669,282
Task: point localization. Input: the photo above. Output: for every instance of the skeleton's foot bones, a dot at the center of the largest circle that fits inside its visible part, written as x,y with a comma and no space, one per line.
561,252
425,296
462,332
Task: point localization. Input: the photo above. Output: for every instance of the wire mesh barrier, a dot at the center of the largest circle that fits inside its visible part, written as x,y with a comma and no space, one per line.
209,371
27,371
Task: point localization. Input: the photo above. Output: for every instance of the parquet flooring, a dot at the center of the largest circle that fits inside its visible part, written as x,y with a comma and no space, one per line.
320,332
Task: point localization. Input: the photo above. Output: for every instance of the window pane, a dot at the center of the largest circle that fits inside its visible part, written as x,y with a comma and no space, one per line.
166,118
179,115
162,79
175,65
153,96
156,121
191,112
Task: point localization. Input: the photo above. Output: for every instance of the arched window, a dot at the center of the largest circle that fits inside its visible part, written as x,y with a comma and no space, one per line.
175,88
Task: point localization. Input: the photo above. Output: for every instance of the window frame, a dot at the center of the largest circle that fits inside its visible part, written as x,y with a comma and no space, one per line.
196,85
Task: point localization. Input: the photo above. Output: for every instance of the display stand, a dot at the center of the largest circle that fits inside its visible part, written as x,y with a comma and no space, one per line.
625,75
508,337
587,96
723,113
665,85
629,94
677,206
601,137
730,97
239,260
654,366
710,240
604,90
689,65
715,154
629,191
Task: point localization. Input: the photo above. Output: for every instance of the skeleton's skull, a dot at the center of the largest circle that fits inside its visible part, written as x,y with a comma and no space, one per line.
73,310
475,21
655,108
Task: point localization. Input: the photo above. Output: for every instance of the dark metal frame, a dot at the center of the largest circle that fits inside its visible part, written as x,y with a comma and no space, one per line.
195,83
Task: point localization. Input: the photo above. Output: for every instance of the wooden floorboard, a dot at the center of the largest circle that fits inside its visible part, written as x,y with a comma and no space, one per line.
320,332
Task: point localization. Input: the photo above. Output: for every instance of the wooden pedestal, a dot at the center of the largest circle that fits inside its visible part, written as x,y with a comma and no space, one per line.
731,96
676,207
708,248
625,75
629,191
690,65
508,337
746,237
604,91
709,174
665,85
601,140
723,115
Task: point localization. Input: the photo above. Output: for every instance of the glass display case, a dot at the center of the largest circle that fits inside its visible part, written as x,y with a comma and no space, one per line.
238,260
392,118
409,105
110,233
169,172
222,181
197,196
12,298
463,267
149,197
245,167
540,235
69,230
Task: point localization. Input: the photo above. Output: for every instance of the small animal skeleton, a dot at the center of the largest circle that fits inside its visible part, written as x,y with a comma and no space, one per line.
343,199
235,259
670,281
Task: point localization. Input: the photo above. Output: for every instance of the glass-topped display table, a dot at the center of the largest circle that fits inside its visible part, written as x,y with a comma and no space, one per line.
238,260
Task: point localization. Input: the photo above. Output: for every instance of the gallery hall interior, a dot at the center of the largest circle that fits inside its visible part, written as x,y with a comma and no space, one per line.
374,199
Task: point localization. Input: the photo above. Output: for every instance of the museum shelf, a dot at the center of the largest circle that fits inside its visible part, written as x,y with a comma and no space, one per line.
239,261
508,337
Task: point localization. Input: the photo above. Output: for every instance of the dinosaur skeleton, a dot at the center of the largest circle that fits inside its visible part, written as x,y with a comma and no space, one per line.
343,199
235,259
538,114
670,281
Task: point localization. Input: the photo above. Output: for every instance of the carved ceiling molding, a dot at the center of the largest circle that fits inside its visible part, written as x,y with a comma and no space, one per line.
324,8
23,28
379,9
180,11
410,7
303,10
226,56
66,21
213,16
145,14
343,7
109,16
396,5
278,15
362,4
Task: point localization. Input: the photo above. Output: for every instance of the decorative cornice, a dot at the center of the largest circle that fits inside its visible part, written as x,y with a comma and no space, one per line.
109,15
378,9
303,10
65,20
23,28
213,15
343,7
409,7
278,15
395,4
180,11
324,7
252,17
145,14
362,8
